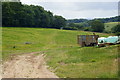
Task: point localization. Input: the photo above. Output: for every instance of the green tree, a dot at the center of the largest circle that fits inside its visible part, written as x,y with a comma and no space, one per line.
74,26
97,26
58,22
11,13
16,14
6,14
116,29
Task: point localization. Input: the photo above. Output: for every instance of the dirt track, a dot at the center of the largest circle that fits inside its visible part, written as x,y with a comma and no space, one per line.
27,66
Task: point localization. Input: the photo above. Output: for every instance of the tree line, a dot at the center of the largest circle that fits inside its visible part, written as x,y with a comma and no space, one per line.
15,14
95,25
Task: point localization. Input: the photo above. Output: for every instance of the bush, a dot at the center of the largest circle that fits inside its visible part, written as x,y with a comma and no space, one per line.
117,33
116,29
97,26
87,29
93,60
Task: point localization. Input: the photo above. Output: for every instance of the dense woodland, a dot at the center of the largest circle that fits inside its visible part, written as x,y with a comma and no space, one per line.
16,14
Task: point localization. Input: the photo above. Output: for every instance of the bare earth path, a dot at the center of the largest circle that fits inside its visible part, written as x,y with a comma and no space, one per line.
27,66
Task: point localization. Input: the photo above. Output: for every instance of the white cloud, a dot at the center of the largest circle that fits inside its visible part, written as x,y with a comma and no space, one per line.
86,14
78,9
79,5
82,10
34,1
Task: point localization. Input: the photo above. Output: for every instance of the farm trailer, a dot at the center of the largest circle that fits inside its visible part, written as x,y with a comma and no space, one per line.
87,40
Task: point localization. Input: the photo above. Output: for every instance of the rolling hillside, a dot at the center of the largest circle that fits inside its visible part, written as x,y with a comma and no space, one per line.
110,25
63,55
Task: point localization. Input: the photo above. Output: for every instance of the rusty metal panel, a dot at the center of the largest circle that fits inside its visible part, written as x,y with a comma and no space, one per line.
87,39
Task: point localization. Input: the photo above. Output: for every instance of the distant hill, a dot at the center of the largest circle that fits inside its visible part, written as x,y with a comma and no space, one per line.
104,20
84,24
111,19
77,20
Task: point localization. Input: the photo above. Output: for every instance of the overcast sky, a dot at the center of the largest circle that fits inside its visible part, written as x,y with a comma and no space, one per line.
71,9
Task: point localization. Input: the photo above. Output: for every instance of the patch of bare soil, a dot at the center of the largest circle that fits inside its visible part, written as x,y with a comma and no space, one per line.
27,66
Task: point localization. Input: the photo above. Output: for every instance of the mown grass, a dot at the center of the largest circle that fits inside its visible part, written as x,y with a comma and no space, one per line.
64,56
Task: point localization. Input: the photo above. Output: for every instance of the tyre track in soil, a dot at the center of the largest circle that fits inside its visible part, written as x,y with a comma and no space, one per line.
27,66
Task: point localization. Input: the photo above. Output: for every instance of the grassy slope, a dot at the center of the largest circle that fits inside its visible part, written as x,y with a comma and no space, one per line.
110,25
64,56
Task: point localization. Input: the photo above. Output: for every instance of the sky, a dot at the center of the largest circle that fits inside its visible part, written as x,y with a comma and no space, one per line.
76,9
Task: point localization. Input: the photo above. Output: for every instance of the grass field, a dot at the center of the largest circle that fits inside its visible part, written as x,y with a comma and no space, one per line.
110,25
64,56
